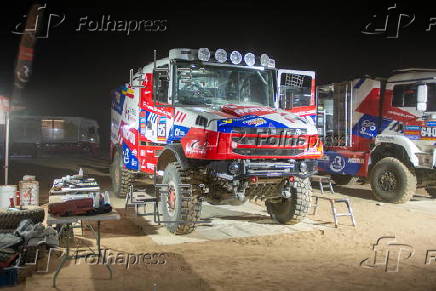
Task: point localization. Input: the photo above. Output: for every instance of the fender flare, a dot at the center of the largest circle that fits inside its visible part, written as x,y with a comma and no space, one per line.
172,153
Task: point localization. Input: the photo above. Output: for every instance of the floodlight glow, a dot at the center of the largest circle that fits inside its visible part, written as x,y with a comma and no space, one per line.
221,55
236,57
203,54
249,59
264,60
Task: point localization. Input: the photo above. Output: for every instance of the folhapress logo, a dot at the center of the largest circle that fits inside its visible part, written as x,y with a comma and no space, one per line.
39,24
394,19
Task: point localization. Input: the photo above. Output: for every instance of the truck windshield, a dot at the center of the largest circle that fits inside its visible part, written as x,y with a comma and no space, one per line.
219,85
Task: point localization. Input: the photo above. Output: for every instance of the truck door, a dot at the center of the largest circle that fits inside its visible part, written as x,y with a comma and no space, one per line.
296,92
334,120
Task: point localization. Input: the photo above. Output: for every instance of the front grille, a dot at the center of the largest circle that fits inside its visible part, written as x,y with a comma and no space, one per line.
270,130
280,137
268,152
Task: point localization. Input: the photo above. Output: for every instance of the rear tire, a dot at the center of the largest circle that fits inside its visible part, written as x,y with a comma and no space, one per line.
392,181
122,178
342,179
180,205
431,190
292,210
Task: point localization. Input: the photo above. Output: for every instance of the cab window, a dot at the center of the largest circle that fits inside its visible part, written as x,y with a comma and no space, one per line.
404,95
161,84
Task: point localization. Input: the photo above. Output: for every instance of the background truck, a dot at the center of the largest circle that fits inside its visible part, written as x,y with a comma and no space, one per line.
206,125
381,130
53,133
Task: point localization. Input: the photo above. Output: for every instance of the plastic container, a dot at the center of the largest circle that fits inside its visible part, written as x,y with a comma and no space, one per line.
7,191
8,277
29,192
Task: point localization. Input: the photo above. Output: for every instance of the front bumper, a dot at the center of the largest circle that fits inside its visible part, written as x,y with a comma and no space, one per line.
267,169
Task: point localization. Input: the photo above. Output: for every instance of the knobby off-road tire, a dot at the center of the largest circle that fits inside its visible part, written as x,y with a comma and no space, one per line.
186,207
392,181
292,210
11,219
342,179
122,178
431,190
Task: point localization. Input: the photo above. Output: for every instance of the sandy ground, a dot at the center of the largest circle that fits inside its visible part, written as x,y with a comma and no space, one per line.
326,258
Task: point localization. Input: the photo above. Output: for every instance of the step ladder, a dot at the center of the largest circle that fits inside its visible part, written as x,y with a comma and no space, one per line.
324,182
136,198
335,214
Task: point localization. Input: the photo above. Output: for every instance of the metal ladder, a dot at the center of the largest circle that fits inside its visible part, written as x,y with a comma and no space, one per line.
140,199
324,182
335,214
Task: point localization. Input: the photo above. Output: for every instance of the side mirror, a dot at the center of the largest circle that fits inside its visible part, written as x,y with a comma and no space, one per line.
421,104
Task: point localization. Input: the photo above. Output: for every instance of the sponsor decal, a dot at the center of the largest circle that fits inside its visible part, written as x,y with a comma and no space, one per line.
162,129
118,102
196,147
428,133
256,121
179,117
129,158
337,164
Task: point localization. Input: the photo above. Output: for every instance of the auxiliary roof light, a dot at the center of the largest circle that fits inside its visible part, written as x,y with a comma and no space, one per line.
203,54
249,59
236,57
264,60
221,55
271,63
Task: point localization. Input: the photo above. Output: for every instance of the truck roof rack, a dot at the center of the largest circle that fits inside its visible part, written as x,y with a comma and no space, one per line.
414,70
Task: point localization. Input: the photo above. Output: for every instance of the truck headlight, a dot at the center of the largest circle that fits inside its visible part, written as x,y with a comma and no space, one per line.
234,168
235,57
221,55
203,54
264,60
303,167
249,59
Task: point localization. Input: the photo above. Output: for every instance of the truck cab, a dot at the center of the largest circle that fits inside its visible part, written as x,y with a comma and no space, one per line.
381,130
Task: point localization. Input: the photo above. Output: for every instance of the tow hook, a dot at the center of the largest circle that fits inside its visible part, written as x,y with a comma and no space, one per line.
286,192
239,190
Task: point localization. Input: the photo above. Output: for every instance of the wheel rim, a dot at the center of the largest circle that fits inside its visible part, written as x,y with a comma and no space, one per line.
388,181
171,199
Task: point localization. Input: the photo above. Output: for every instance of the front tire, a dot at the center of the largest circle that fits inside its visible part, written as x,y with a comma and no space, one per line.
121,177
179,206
392,181
292,210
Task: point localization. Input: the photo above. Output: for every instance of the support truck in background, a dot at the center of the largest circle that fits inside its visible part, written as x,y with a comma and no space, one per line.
30,134
205,125
381,130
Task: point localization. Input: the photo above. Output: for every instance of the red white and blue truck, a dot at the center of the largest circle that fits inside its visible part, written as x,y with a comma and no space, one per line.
382,130
211,121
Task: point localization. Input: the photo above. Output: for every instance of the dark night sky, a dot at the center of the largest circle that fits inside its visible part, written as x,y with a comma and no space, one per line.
74,72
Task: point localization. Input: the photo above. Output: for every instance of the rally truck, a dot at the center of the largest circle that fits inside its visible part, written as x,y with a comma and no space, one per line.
381,130
204,125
